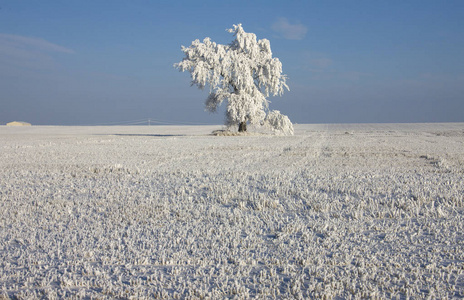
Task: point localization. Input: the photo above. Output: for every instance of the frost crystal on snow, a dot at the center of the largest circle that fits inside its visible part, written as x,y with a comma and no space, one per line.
244,73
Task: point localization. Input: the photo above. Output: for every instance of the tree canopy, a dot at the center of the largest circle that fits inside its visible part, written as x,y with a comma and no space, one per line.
243,73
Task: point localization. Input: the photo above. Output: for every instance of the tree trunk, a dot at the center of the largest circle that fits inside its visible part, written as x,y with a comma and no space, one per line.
242,127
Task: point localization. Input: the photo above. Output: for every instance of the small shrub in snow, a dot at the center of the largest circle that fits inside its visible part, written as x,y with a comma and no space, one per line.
279,123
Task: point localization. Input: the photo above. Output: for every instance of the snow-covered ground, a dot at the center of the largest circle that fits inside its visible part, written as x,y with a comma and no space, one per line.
342,211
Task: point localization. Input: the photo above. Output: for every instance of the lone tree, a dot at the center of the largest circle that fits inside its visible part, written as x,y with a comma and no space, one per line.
244,73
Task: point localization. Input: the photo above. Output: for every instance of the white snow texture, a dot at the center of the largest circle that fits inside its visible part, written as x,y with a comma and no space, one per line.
336,211
244,73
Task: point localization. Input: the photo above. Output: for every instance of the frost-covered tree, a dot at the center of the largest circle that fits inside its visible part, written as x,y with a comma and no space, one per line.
243,73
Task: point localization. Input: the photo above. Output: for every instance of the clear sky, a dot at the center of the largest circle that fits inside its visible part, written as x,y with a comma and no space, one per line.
97,62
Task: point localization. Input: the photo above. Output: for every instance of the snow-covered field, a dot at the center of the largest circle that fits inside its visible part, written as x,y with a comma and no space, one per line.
341,211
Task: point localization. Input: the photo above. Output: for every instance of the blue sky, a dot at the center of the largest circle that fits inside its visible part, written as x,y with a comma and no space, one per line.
97,62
